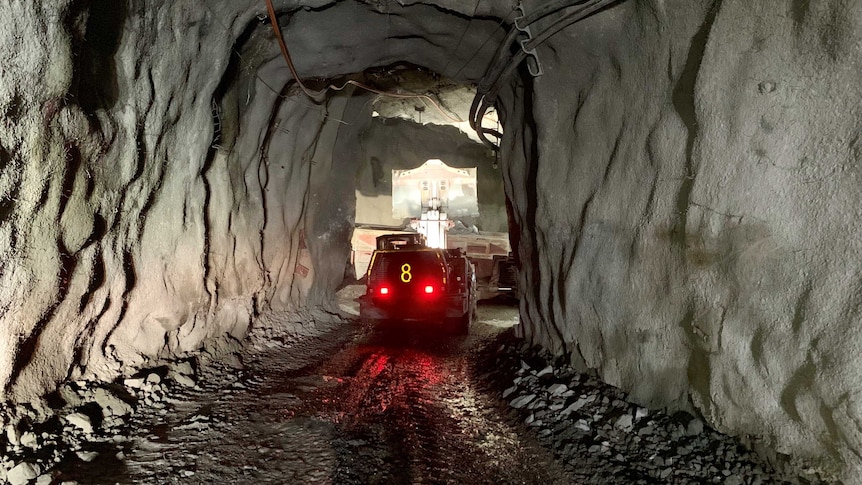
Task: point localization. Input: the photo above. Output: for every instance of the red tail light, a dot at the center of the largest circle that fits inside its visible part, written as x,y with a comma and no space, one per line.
384,290
429,289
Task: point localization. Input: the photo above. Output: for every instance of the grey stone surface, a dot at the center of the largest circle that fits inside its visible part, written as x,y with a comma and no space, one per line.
687,206
601,444
80,421
683,182
22,473
110,403
161,197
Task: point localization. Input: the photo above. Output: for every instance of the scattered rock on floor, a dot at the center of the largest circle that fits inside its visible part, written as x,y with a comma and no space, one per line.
605,439
22,473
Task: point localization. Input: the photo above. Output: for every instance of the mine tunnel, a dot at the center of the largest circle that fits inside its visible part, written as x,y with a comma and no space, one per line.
679,182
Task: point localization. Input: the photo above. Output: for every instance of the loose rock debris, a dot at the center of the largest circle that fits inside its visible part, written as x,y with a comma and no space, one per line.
603,438
86,421
596,433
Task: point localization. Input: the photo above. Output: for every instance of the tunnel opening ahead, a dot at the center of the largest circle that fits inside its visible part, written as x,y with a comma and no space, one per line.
393,113
406,132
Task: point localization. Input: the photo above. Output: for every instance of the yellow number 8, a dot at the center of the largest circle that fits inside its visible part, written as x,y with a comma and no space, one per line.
406,276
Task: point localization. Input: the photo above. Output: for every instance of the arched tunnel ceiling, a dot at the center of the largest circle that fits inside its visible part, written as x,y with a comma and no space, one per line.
381,34
351,37
682,184
424,97
376,45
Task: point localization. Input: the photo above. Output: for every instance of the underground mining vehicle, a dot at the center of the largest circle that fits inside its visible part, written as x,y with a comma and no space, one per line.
409,282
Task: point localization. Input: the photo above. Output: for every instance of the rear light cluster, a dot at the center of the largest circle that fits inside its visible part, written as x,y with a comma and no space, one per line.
386,290
383,290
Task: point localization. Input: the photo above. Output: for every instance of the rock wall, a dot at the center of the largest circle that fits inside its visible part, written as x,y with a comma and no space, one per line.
162,179
688,205
683,181
157,192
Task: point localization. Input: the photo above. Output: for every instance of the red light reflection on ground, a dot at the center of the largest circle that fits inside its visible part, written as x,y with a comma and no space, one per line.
429,369
384,380
375,364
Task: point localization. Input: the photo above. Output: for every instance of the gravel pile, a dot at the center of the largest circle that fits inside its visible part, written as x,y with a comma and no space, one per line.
603,438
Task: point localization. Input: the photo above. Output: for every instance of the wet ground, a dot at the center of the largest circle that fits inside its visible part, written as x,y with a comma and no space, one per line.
351,405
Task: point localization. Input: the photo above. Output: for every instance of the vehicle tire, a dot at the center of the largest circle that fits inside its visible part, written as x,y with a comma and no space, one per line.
373,323
462,323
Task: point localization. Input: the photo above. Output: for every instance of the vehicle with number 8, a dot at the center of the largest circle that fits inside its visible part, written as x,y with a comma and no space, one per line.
411,282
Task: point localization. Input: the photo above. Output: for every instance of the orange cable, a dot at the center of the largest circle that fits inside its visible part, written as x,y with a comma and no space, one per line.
277,29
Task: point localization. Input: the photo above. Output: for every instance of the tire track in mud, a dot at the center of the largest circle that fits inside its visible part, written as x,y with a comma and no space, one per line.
411,396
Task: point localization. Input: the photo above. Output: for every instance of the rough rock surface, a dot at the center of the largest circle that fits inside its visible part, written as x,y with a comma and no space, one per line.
82,423
596,433
688,208
683,181
166,182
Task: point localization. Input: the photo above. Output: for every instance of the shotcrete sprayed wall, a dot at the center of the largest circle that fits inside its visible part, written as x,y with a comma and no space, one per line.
104,221
163,181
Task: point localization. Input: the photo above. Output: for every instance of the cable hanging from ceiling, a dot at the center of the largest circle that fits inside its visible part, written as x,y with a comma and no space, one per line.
316,97
463,34
504,62
248,65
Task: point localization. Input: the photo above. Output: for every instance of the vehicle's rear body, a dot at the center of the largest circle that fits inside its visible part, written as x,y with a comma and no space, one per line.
418,284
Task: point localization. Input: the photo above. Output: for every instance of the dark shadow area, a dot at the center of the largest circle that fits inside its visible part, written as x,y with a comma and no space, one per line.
683,103
96,27
7,201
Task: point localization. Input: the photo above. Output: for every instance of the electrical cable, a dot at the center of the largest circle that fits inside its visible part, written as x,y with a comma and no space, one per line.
491,86
481,99
547,9
250,68
463,34
422,97
286,54
563,22
499,69
503,54
482,46
503,49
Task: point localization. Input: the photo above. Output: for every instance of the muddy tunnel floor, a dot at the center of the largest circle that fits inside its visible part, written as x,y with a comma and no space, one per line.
351,405
344,403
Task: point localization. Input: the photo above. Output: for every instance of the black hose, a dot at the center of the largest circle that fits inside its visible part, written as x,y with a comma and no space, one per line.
503,58
528,19
502,50
499,72
548,9
567,20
